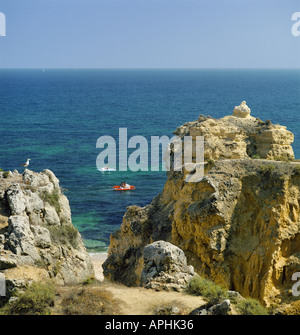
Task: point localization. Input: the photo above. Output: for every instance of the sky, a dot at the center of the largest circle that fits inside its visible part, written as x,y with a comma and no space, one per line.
149,34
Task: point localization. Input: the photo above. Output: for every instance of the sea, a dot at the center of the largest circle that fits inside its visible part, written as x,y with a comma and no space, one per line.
56,116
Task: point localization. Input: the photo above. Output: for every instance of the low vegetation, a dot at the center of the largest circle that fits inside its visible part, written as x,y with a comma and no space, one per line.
5,173
250,306
214,294
52,199
65,234
210,163
35,300
207,289
267,168
46,299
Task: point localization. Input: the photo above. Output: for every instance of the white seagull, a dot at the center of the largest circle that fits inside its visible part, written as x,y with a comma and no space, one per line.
27,163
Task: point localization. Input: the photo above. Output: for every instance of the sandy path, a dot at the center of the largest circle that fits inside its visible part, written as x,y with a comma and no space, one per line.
141,301
98,260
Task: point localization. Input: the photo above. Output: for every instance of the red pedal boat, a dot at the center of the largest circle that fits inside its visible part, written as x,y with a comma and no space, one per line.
119,188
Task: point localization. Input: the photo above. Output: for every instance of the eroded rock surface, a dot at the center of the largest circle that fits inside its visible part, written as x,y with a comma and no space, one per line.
37,238
165,267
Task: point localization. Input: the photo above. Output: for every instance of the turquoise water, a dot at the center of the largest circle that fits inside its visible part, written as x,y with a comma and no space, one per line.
55,118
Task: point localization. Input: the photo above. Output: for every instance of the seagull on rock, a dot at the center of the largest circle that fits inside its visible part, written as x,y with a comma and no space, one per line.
27,163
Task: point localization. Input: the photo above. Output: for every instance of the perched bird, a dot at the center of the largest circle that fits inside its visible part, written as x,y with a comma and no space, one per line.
27,163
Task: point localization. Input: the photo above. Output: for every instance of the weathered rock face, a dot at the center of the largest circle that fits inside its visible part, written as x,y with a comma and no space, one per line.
140,227
37,237
239,226
165,267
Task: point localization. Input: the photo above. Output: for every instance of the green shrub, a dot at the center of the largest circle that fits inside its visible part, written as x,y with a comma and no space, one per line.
52,199
89,281
206,288
211,162
65,234
56,268
5,174
267,168
36,300
256,156
40,263
31,188
250,306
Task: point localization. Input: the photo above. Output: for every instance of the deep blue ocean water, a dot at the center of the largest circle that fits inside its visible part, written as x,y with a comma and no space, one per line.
55,117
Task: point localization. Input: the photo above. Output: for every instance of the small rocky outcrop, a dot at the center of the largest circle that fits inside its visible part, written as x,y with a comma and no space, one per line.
165,267
239,226
37,237
242,111
222,308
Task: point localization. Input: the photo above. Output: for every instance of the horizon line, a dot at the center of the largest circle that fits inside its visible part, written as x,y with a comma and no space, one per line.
149,68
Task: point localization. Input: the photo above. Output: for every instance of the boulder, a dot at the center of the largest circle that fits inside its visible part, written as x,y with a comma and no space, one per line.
21,239
34,204
41,236
242,110
16,199
51,216
165,267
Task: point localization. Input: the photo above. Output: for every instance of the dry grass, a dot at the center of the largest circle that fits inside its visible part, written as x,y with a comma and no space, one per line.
85,300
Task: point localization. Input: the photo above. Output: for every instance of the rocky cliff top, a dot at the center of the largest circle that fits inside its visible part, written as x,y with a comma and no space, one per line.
37,237
240,135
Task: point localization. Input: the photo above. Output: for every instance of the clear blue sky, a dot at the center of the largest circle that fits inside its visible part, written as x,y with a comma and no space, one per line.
149,34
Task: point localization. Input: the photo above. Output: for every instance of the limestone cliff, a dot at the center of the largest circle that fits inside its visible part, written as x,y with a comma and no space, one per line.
37,238
239,225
